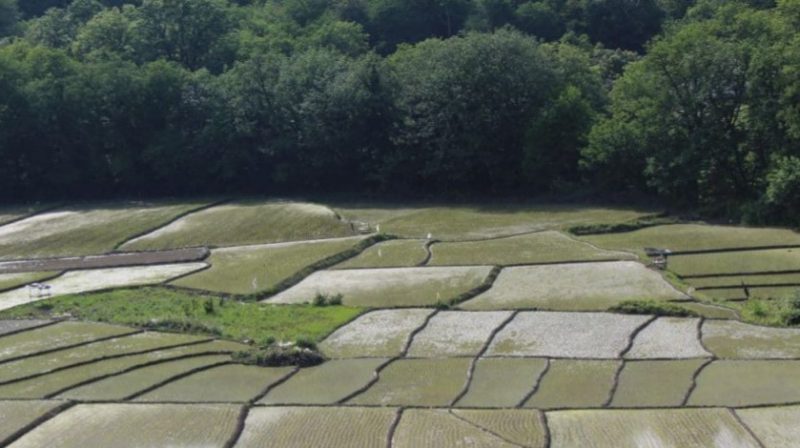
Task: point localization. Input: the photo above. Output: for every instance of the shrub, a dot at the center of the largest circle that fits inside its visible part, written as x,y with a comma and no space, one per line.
280,355
327,300
651,307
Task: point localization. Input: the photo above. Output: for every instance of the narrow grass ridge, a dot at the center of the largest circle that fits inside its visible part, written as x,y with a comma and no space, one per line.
393,427
487,284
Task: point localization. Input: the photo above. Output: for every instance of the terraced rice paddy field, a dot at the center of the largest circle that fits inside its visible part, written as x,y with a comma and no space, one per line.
500,329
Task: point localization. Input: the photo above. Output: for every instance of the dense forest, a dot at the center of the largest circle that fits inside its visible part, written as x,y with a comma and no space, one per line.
696,103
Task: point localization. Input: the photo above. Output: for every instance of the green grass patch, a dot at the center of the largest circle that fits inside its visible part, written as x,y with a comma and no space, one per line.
651,307
247,222
85,230
738,280
167,309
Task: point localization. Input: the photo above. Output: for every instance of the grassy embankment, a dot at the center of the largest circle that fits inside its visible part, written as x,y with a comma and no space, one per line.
171,310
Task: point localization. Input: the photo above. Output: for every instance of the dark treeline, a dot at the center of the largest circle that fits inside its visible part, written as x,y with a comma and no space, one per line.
696,103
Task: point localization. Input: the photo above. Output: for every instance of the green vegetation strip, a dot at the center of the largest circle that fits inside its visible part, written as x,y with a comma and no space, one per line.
173,310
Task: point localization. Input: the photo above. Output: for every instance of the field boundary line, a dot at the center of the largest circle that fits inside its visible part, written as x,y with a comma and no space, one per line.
546,426
428,252
473,365
487,284
174,378
700,337
614,385
47,323
37,422
168,222
483,429
134,368
241,420
187,274
100,359
536,385
693,385
68,347
746,427
271,386
633,334
393,427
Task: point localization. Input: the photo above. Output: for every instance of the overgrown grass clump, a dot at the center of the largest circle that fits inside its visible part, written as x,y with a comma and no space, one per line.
622,227
173,310
784,312
652,307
